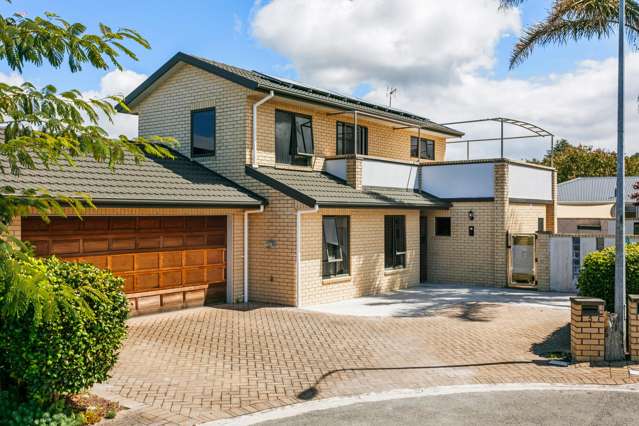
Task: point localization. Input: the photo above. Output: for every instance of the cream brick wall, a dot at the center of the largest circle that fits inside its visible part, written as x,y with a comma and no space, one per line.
367,274
166,111
15,228
522,218
383,141
461,258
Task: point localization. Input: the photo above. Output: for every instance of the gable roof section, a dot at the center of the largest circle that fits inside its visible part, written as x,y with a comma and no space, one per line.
585,190
154,182
258,81
319,188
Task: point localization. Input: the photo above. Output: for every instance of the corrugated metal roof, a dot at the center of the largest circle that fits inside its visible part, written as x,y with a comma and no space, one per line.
323,189
594,189
178,181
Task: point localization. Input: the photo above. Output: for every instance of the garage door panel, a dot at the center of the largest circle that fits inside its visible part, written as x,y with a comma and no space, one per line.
215,274
170,259
147,281
95,246
149,253
123,263
65,247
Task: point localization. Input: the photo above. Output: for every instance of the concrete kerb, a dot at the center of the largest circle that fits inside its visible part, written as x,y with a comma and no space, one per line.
330,403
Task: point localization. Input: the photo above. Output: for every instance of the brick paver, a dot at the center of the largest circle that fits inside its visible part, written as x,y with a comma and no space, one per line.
208,363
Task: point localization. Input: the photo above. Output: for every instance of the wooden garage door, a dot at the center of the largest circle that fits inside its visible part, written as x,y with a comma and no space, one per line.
150,253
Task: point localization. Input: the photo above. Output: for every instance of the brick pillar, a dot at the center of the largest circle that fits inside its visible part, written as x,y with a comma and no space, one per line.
354,172
587,329
551,209
542,254
633,326
501,209
15,228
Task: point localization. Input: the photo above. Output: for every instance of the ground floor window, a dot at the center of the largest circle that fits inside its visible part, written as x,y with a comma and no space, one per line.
335,246
395,241
442,226
588,228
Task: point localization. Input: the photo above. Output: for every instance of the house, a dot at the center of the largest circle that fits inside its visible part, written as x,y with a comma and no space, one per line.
587,205
289,194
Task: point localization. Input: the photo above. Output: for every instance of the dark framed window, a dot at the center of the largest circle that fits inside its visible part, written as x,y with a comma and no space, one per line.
599,243
635,228
395,241
422,148
588,227
442,226
203,132
540,224
293,138
345,140
631,211
335,246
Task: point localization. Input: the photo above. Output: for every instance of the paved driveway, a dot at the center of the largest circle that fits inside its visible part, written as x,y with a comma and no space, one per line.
210,363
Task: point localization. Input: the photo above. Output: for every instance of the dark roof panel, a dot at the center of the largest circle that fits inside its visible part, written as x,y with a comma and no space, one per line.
256,80
325,190
178,181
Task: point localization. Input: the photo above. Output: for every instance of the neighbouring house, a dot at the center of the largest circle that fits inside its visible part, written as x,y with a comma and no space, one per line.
289,194
587,205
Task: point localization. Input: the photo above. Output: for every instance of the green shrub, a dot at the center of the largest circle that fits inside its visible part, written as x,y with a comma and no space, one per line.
16,413
44,357
597,276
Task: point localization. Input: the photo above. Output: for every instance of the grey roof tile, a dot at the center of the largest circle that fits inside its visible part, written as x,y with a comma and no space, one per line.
593,189
178,181
314,187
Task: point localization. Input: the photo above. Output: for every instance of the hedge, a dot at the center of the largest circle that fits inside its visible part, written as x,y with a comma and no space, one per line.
597,275
46,359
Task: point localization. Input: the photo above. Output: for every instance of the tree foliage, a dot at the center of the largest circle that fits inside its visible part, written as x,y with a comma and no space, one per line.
582,160
45,127
573,20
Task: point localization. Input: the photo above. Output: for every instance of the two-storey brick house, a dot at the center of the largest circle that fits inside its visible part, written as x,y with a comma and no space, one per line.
356,198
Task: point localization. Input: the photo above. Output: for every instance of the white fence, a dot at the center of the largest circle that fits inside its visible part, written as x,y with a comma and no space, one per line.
567,253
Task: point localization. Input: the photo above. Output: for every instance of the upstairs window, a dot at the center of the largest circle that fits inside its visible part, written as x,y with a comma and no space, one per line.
422,148
395,241
203,132
346,139
442,226
293,138
335,246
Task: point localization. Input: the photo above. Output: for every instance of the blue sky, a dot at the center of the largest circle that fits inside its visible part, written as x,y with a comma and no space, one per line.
210,29
555,88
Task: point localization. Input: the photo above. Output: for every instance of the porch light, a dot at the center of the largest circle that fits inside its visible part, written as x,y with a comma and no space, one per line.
471,215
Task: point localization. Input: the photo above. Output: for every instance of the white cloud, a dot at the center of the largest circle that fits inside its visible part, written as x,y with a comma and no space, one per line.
13,79
440,54
118,83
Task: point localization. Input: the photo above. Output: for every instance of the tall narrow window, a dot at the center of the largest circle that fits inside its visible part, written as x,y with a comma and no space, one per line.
422,148
345,142
335,246
293,138
540,224
394,241
203,132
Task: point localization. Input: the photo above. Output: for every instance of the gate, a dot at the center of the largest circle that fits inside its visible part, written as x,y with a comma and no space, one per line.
522,259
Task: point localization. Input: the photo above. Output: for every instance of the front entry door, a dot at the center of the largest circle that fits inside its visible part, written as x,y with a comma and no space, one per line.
423,240
523,259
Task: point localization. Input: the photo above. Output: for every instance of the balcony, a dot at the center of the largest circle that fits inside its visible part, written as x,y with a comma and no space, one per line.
453,180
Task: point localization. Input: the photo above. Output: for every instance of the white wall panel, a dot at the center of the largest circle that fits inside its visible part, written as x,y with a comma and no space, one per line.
387,174
529,183
460,180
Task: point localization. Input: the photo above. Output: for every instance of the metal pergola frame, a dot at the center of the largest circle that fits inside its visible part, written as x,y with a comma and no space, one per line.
537,132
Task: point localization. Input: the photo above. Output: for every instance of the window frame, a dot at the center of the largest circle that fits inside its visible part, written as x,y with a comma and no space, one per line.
450,226
294,157
395,252
212,152
362,138
422,142
344,248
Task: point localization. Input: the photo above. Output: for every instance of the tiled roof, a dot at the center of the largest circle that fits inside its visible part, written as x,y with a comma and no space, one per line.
154,181
594,189
325,190
256,80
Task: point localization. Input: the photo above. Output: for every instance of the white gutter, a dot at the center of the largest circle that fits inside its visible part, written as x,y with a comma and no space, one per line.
298,251
255,105
246,256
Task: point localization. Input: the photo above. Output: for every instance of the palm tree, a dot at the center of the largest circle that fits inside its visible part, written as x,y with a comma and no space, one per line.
572,20
586,19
